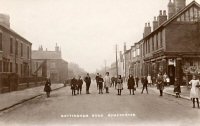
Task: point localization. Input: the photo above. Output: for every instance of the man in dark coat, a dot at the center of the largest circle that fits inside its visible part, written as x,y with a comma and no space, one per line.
160,84
97,80
79,83
131,84
144,83
47,87
88,82
73,85
100,84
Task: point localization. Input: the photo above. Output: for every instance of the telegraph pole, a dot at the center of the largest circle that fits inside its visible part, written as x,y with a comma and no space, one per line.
105,66
116,61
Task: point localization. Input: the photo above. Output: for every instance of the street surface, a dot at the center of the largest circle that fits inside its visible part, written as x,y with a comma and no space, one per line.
140,109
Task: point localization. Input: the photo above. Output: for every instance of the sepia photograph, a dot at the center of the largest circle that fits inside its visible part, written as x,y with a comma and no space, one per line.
99,62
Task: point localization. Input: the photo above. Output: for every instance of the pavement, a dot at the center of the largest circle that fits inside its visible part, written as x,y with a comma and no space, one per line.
11,99
169,90
63,109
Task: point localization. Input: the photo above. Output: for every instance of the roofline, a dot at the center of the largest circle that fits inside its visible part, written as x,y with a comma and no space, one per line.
172,18
15,33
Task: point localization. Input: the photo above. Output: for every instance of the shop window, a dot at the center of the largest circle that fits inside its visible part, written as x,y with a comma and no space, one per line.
11,70
191,63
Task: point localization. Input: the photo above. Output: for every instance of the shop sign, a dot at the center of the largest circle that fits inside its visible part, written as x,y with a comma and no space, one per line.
171,62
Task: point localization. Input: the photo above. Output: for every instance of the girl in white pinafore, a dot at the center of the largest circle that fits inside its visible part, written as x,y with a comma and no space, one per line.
194,93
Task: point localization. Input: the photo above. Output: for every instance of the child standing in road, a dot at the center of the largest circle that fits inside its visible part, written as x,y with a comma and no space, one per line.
100,81
194,93
177,88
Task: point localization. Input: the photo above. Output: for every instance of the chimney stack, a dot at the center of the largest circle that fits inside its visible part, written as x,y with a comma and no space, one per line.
171,9
5,20
179,4
162,17
124,47
147,29
155,24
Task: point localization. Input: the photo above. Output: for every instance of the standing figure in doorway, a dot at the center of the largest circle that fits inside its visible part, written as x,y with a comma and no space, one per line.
131,84
119,84
194,93
88,82
107,82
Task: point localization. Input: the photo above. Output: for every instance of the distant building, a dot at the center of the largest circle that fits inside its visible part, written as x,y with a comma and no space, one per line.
15,50
49,64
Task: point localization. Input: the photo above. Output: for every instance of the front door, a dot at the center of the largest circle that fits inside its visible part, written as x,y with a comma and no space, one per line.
171,74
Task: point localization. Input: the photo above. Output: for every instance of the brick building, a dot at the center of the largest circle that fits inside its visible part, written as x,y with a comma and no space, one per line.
15,50
49,64
172,44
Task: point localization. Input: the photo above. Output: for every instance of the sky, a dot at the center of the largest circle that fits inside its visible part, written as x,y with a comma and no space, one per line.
86,30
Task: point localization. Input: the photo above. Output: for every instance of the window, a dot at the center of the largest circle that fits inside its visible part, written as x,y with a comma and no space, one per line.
161,39
182,17
156,41
16,67
11,67
11,45
187,16
195,14
21,69
1,66
153,43
191,14
1,42
28,54
16,47
22,50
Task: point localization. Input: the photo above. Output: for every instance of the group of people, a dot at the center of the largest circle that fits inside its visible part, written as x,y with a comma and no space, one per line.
132,82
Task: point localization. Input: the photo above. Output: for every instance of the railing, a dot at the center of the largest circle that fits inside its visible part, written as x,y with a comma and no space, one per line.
12,82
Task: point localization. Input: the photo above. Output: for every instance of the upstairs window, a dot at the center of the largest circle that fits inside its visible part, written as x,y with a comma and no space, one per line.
16,47
1,41
22,49
11,45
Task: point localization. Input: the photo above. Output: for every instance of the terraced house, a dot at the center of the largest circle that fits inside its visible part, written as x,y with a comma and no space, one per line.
171,45
15,50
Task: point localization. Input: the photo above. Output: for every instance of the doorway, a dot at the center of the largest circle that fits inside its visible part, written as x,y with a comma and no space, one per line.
171,74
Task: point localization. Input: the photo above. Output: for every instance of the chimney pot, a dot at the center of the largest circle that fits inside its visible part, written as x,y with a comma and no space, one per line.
154,18
148,24
160,12
164,13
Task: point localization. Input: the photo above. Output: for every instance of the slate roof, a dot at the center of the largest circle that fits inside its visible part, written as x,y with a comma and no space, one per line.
46,55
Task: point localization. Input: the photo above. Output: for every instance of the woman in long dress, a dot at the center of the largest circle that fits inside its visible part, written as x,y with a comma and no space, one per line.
131,84
47,87
194,93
